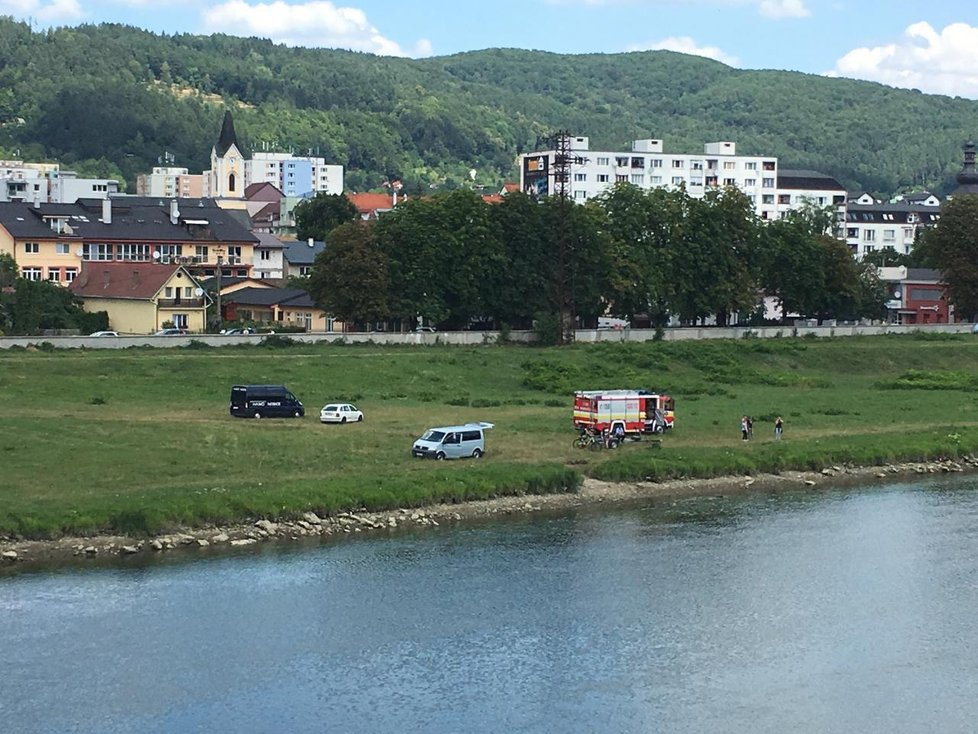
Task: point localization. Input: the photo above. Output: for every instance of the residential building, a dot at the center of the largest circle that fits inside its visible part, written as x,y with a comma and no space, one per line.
300,256
300,176
871,227
269,258
140,297
170,183
52,241
371,206
798,188
289,306
47,183
648,166
264,206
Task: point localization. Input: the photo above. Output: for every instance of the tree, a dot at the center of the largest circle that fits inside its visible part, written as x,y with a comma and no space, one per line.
315,217
953,246
351,278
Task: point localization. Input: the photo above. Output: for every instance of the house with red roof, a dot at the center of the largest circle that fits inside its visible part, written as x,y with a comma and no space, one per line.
140,297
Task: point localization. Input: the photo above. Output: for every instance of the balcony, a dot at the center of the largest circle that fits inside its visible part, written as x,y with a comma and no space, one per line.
180,302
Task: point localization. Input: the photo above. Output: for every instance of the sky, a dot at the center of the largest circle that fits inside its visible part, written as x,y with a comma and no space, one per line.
930,46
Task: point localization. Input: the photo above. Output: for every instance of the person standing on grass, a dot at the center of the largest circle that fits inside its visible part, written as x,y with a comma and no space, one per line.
778,428
750,427
743,427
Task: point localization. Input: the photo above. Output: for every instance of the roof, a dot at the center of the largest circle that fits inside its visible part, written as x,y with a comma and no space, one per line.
228,137
263,191
300,253
809,180
897,213
370,203
294,297
923,275
142,219
510,187
268,242
138,281
919,196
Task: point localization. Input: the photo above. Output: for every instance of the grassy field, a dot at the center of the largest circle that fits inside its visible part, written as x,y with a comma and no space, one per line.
140,440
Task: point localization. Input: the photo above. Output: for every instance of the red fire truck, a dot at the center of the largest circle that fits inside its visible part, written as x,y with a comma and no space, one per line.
635,410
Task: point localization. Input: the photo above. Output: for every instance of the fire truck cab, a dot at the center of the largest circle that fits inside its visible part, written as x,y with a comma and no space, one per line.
637,411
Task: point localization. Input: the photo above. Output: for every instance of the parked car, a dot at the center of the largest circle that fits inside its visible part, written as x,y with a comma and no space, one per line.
452,442
172,332
340,413
243,330
265,401
426,329
104,333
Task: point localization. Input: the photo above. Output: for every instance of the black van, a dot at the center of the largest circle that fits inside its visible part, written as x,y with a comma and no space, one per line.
265,401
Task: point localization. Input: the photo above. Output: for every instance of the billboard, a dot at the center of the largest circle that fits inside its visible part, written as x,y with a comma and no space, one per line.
536,175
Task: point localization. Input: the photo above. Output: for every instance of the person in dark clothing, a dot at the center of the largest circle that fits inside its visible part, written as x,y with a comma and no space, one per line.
778,428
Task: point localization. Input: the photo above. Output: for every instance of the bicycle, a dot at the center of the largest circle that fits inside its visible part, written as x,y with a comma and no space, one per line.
588,440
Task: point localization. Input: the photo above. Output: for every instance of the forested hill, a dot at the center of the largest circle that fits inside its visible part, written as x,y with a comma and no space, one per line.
111,99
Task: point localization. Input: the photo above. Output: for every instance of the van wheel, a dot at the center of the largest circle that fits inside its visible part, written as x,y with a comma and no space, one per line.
298,414
440,456
477,454
343,419
257,415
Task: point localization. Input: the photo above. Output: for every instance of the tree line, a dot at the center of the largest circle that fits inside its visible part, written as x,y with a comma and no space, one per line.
456,261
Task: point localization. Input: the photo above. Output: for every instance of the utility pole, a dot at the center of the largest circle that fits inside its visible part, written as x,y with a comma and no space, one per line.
219,251
563,240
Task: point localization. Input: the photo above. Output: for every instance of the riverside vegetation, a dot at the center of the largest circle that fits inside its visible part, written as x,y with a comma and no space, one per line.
139,441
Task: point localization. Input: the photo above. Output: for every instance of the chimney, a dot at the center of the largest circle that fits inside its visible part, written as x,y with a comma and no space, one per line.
106,278
37,199
107,211
135,280
174,212
311,242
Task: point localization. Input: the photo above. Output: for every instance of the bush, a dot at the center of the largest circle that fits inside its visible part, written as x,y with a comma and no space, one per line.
277,341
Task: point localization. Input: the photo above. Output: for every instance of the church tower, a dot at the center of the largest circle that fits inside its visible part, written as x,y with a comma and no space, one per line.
968,177
227,174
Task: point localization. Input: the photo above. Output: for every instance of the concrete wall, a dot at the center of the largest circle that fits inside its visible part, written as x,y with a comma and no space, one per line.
478,338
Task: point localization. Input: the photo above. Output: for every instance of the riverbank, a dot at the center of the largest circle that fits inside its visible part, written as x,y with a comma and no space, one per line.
593,492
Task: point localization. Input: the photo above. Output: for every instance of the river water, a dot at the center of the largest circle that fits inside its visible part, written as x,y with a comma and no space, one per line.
844,611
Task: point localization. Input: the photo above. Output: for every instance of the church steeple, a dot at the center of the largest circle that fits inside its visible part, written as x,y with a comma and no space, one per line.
228,138
968,177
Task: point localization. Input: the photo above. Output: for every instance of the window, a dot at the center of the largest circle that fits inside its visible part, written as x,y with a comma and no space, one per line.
180,320
852,232
767,183
926,294
54,275
580,195
656,163
97,252
750,183
638,179
603,161
678,163
869,235
138,253
908,233
580,177
621,178
677,180
200,252
32,248
889,235
729,182
61,248
869,248
696,181
730,165
305,270
770,165
231,183
31,273
603,178
70,274
784,198
638,162
265,255
696,165
621,161
188,291
767,199
168,292
750,166
656,180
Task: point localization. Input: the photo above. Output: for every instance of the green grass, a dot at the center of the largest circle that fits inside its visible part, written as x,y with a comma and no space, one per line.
139,441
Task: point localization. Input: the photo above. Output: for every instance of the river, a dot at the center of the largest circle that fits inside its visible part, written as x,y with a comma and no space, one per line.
840,611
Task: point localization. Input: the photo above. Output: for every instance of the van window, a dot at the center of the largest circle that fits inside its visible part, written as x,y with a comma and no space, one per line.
433,436
452,438
471,436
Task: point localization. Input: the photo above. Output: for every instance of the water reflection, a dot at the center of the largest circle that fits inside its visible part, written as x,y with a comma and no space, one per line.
831,611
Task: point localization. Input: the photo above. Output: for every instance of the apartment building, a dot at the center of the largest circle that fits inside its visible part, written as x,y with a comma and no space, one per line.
47,183
294,175
170,183
52,241
799,188
872,226
648,166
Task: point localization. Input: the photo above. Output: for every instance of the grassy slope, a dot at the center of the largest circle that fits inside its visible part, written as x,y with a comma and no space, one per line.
140,440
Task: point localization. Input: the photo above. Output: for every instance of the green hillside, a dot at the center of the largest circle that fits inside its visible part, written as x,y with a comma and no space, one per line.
112,99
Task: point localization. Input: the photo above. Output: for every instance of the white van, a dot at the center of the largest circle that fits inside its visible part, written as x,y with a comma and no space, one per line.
452,442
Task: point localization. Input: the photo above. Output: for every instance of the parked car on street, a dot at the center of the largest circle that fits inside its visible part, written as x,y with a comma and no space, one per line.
172,332
104,333
340,413
243,330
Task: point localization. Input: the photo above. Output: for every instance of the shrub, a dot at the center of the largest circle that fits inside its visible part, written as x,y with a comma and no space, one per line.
277,341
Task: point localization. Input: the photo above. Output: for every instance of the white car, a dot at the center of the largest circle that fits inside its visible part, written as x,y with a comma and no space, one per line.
104,333
340,413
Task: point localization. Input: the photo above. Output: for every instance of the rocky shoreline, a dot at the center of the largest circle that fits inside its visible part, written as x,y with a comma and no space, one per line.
14,552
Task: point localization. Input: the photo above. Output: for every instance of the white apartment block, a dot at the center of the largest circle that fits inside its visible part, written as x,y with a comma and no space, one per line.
294,175
46,183
797,189
872,226
648,166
